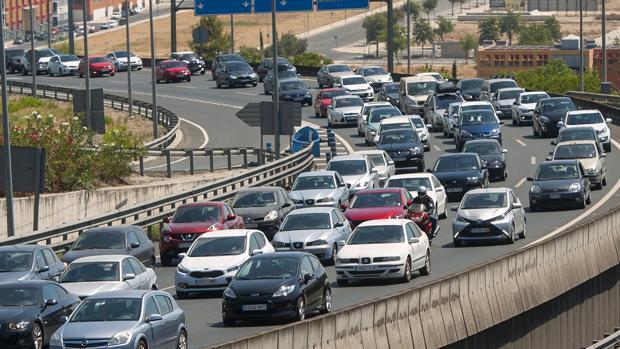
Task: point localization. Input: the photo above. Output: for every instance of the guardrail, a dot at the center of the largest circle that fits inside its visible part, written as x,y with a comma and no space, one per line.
165,117
613,100
610,341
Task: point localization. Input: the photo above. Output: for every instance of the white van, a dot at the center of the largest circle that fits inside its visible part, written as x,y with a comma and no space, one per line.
413,93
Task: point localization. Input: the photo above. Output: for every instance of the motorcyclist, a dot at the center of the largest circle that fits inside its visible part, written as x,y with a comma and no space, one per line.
424,199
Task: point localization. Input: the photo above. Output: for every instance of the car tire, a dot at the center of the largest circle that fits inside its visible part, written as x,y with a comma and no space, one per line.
217,84
49,72
332,259
153,261
535,132
327,302
112,73
523,234
604,181
229,322
607,147
407,273
426,269
182,295
301,309
142,344
588,201
513,238
444,214
421,167
254,84
37,336
182,340
342,282
457,243
189,78
24,71
166,260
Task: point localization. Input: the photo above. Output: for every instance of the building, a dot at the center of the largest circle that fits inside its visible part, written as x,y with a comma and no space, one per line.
99,10
613,64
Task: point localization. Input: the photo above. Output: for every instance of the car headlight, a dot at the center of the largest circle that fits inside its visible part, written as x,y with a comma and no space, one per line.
536,189
232,76
228,292
416,150
495,131
252,75
308,94
465,133
182,270
120,338
56,340
326,199
386,259
18,325
232,269
473,179
317,243
271,216
284,291
574,187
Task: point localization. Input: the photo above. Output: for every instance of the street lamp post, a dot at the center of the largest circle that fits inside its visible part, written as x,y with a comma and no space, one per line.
33,68
153,78
276,91
89,121
129,96
581,73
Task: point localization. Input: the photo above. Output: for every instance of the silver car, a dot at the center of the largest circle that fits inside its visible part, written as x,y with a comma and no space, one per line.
374,119
376,76
357,171
344,110
503,100
382,162
315,230
489,214
450,118
363,118
283,75
87,276
319,188
124,320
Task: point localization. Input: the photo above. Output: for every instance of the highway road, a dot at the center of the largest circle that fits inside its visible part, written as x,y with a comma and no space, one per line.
213,109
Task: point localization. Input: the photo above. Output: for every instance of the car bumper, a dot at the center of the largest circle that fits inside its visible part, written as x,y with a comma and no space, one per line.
276,308
243,81
188,283
550,127
496,171
557,199
381,271
408,162
504,113
525,117
15,339
465,231
595,178
366,95
344,120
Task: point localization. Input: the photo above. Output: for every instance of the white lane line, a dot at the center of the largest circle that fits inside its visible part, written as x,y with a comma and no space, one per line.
205,136
521,142
533,160
167,288
188,87
436,147
247,94
520,182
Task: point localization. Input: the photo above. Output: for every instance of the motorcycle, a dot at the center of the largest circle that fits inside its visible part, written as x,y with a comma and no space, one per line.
420,216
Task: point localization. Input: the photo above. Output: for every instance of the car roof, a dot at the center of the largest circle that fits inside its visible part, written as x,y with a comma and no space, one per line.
379,108
259,189
380,190
478,141
370,66
456,155
577,129
183,52
17,283
577,142
297,255
396,120
371,104
487,190
317,173
560,162
346,97
349,157
20,248
472,79
337,64
125,294
101,258
418,78
370,152
116,228
585,111
380,222
411,175
506,89
499,80
467,104
311,210
227,233
533,93
203,203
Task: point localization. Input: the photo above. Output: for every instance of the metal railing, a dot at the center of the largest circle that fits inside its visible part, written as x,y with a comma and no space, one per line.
610,341
596,97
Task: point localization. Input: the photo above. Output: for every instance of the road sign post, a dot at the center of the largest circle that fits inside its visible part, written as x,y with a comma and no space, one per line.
200,35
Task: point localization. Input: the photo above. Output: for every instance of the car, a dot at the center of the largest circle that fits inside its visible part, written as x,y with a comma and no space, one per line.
234,73
382,161
404,147
559,183
376,76
577,133
478,105
413,181
111,23
194,62
592,118
324,98
224,57
394,123
460,172
373,120
283,75
503,100
380,203
548,113
192,220
450,117
120,60
266,65
477,124
328,74
18,41
13,58
118,240
344,110
295,91
489,214
29,262
470,88
136,10
422,129
41,59
523,106
589,155
438,77
435,107
362,119
383,249
32,311
491,152
283,285
490,87
389,93
356,85
413,93
172,70
319,188
125,320
87,276
357,171
263,208
97,66
63,65
314,230
214,259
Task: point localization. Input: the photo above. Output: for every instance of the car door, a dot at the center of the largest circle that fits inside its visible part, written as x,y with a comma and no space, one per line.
417,250
169,323
341,187
41,269
286,204
261,242
126,269
136,248
52,65
337,228
321,276
312,287
155,330
141,274
51,315
55,265
519,213
440,192
389,163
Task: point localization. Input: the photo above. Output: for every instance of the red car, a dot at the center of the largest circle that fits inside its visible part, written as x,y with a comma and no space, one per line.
191,221
324,99
378,204
97,65
172,70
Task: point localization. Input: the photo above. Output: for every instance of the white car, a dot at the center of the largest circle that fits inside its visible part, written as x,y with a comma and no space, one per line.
383,163
356,85
63,65
376,76
344,110
589,154
383,249
87,276
435,76
422,130
413,181
357,172
477,105
524,105
214,259
362,120
503,100
319,188
592,118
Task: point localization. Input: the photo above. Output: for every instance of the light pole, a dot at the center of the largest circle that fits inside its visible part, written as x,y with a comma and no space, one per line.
129,97
408,38
232,34
604,44
71,27
276,90
33,68
153,64
49,23
581,73
89,121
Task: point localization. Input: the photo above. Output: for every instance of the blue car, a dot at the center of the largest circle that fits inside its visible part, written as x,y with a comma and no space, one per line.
477,124
404,147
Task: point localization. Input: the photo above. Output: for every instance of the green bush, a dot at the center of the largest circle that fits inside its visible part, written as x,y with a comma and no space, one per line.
556,77
251,54
311,59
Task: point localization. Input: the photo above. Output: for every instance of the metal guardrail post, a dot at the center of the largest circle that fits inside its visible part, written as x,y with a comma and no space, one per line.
229,157
168,164
209,153
190,153
245,157
142,166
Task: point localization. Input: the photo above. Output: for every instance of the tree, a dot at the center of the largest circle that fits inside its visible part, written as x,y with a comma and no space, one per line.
289,45
535,34
444,26
430,6
218,41
509,24
311,59
261,41
454,73
415,9
556,77
251,54
468,42
553,25
373,25
399,40
488,29
422,33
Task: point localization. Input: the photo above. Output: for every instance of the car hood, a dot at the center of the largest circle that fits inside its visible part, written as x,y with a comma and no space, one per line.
94,330
419,98
455,175
506,102
589,163
560,184
198,227
13,276
528,106
44,59
555,115
18,313
243,72
371,250
347,110
302,235
314,194
71,64
397,146
340,73
85,289
262,287
482,214
357,214
356,87
353,180
255,212
212,263
480,128
379,78
72,255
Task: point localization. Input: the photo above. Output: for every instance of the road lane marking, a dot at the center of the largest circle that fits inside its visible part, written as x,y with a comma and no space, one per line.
436,147
521,142
205,136
520,182
247,94
533,160
188,87
167,288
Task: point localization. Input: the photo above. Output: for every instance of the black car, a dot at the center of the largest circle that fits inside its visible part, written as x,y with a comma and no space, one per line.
460,172
267,64
548,113
31,311
281,285
29,262
295,91
224,57
577,133
470,88
492,154
389,93
120,240
192,60
235,73
559,183
404,147
263,208
13,58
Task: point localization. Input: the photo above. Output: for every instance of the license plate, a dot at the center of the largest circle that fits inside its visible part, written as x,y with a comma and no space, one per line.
251,225
400,159
254,307
204,282
364,267
185,245
554,196
454,190
480,230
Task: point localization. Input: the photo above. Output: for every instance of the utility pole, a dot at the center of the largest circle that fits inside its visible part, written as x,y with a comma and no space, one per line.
71,27
581,73
129,96
232,34
276,90
604,44
390,36
153,78
408,37
49,23
89,121
33,67
173,26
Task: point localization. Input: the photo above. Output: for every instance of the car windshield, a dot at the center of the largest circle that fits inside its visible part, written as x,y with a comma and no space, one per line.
357,80
218,246
349,102
333,93
378,114
314,183
284,74
366,200
69,58
236,66
188,56
418,123
443,102
557,105
485,106
108,309
411,184
306,221
574,151
121,54
98,59
292,85
396,137
421,88
373,71
387,127
338,68
378,234
174,64
229,58
484,200
481,148
268,268
15,261
456,163
509,94
533,98
348,167
254,199
569,135
392,88
502,84
100,240
194,214
478,117
44,53
584,119
549,172
376,159
473,84
91,272
19,296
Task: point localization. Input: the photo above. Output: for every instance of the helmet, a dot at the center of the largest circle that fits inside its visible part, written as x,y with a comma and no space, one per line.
421,190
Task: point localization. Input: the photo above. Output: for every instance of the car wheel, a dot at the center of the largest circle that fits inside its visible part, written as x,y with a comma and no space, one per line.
604,180
166,260
37,336
142,344
189,78
513,237
443,215
533,207
24,71
426,269
254,84
49,72
217,84
421,167
342,282
534,131
607,147
182,340
153,261
407,273
523,233
588,200
332,259
182,295
229,322
457,243
327,302
301,309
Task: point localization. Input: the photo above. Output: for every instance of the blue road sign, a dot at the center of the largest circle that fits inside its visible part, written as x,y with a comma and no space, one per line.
262,6
222,7
328,5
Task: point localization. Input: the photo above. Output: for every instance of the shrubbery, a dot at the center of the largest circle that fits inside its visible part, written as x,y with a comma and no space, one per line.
556,77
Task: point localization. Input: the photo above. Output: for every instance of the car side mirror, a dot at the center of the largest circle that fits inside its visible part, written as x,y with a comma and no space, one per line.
67,248
343,207
454,208
529,179
342,185
182,255
603,155
341,243
409,202
50,302
154,318
255,252
561,124
515,103
501,122
64,319
548,158
129,276
166,220
551,153
308,278
374,170
288,187
231,217
504,151
517,205
43,269
414,240
429,126
337,85
429,170
338,225
286,205
391,162
483,164
135,245
553,142
497,113
608,120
